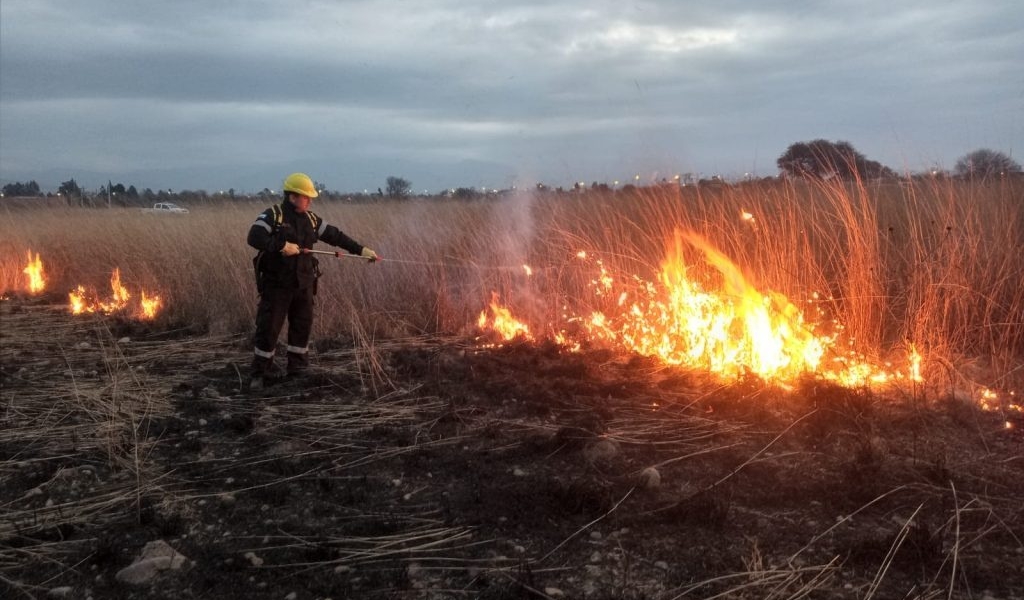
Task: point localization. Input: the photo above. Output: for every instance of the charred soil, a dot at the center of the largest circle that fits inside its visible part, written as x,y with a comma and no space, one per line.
438,468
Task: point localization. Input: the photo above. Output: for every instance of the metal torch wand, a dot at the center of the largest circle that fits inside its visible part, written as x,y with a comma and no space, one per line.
338,254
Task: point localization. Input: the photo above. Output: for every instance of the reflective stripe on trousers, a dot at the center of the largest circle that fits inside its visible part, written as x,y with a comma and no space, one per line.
276,306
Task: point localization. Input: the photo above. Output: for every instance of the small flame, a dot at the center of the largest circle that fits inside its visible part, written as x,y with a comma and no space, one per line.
81,301
915,365
78,302
502,322
120,293
528,270
150,306
36,282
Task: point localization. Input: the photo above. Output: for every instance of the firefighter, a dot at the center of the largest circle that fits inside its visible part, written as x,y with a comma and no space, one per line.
286,276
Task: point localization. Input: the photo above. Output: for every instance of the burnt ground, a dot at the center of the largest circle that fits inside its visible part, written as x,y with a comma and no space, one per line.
437,468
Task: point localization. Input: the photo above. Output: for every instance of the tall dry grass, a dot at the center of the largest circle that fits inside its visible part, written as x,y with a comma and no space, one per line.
933,263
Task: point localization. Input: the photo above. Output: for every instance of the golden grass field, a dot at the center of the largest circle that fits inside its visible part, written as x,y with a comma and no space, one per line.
934,264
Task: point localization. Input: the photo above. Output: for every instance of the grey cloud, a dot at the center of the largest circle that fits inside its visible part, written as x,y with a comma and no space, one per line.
551,90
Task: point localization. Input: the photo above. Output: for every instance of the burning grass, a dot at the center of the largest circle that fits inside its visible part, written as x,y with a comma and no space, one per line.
905,281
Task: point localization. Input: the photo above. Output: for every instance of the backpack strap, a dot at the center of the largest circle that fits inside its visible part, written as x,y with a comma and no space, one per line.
314,219
278,216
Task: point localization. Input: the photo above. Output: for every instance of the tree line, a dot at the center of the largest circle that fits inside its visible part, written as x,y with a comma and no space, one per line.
816,159
822,159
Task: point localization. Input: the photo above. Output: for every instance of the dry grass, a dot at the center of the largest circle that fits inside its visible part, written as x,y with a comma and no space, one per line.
934,264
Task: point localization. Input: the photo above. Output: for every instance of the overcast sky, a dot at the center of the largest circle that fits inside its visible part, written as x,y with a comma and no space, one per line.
237,94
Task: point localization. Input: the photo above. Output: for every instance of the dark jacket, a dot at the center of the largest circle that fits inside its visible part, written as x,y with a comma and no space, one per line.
268,236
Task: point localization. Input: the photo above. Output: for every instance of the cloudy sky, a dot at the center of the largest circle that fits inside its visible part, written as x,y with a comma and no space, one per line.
449,93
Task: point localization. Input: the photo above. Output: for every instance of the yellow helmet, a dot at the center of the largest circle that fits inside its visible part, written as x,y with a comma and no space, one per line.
300,183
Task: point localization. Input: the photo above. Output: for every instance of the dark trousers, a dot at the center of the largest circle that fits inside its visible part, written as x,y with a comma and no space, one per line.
277,305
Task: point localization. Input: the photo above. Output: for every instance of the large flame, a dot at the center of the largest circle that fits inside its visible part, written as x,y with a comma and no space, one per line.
35,281
82,301
733,330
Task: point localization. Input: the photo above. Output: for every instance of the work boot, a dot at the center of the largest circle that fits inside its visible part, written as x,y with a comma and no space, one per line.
256,384
259,372
298,365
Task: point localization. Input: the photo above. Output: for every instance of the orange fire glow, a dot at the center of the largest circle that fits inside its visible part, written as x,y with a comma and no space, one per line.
82,301
501,321
732,331
150,306
35,281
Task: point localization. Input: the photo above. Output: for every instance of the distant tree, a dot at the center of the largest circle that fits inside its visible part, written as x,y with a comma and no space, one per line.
822,159
22,189
983,163
398,187
464,193
70,189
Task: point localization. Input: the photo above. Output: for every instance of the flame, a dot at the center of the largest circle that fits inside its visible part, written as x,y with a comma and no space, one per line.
149,306
120,293
81,301
915,359
78,302
502,322
34,274
734,330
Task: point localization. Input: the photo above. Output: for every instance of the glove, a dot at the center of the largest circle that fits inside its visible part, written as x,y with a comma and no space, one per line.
290,249
369,255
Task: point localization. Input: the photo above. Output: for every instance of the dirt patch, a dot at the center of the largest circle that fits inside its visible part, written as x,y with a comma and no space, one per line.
433,468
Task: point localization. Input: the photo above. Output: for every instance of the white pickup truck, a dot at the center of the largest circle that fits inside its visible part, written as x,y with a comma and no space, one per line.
165,208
